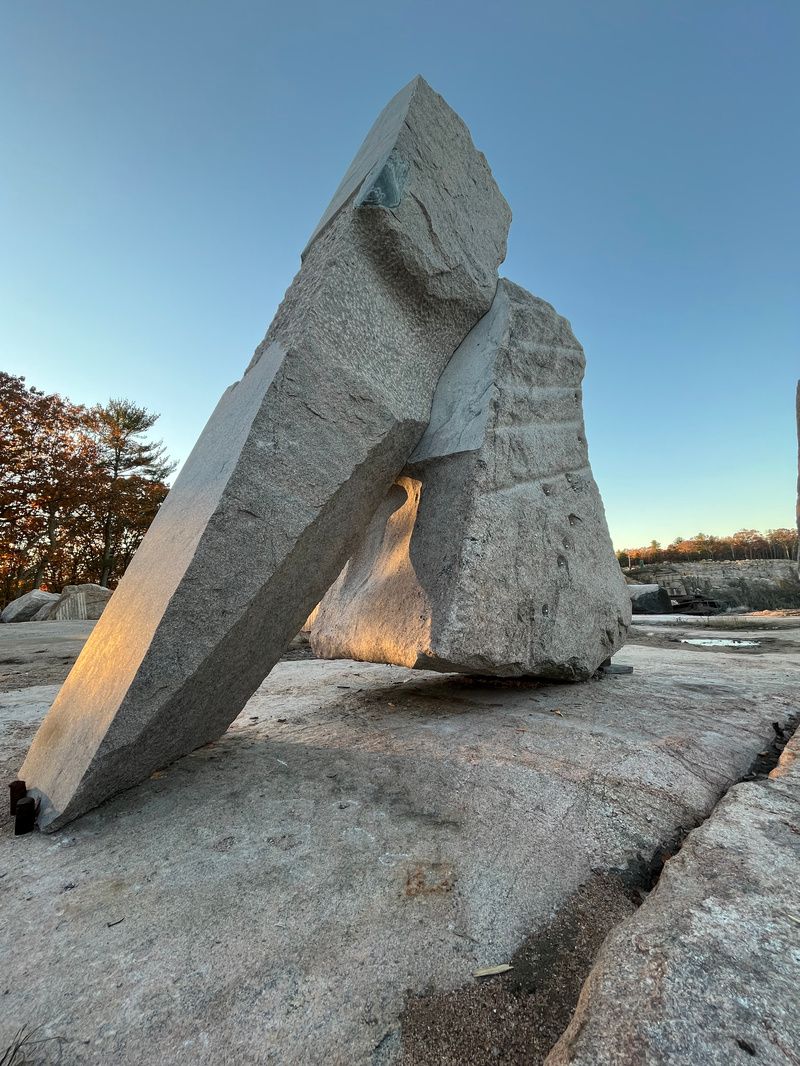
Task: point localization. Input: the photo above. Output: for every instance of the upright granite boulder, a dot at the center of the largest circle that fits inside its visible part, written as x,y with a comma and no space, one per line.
292,464
491,554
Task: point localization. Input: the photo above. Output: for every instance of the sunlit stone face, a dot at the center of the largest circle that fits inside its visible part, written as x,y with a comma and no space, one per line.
498,560
383,559
292,464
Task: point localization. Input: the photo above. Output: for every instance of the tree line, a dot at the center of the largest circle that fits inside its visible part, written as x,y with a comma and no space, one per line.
79,487
745,544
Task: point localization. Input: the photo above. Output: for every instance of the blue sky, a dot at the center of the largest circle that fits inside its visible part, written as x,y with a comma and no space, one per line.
164,163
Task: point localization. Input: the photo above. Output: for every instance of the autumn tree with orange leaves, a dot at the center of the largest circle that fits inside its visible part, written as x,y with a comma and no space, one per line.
78,488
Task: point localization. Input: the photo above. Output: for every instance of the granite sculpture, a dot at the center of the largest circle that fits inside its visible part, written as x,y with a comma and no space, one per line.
491,553
292,464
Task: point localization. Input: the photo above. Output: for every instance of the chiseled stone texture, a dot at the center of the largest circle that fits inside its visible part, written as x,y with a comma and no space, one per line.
77,603
706,970
491,554
25,608
292,464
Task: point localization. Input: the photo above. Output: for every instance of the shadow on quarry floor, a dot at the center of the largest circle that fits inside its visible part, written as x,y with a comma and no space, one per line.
517,1016
363,836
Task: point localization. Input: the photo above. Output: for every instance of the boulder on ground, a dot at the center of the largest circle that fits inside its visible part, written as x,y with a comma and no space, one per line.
291,466
649,599
80,602
26,607
491,554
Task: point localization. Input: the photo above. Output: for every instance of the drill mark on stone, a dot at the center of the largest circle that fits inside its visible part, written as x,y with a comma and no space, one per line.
539,423
570,473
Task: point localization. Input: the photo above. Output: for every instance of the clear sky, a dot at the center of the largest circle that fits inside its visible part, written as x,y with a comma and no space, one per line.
163,163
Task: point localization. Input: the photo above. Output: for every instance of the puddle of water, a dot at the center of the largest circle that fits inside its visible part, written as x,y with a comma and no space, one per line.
721,642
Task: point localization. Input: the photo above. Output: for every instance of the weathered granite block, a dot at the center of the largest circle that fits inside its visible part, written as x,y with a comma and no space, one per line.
292,464
26,607
491,554
649,599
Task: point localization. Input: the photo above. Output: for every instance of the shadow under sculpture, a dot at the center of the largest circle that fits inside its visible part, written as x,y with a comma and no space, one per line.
491,554
292,464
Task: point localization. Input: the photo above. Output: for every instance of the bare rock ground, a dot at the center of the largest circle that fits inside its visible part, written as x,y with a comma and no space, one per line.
39,653
706,970
360,840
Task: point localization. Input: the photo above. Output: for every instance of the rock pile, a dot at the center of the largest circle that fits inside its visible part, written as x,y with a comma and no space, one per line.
26,608
749,584
76,602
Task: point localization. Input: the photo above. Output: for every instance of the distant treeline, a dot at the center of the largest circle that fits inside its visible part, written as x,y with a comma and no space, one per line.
746,544
78,488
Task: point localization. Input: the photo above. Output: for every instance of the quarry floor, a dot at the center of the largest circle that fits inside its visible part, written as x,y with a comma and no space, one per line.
320,884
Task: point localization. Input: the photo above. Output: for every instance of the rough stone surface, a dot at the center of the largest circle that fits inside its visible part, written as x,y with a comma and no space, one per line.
291,466
79,603
754,584
26,607
706,970
649,599
361,833
491,554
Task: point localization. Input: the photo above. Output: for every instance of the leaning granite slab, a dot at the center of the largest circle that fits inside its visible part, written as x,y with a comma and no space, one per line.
491,553
291,465
706,971
649,599
25,608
